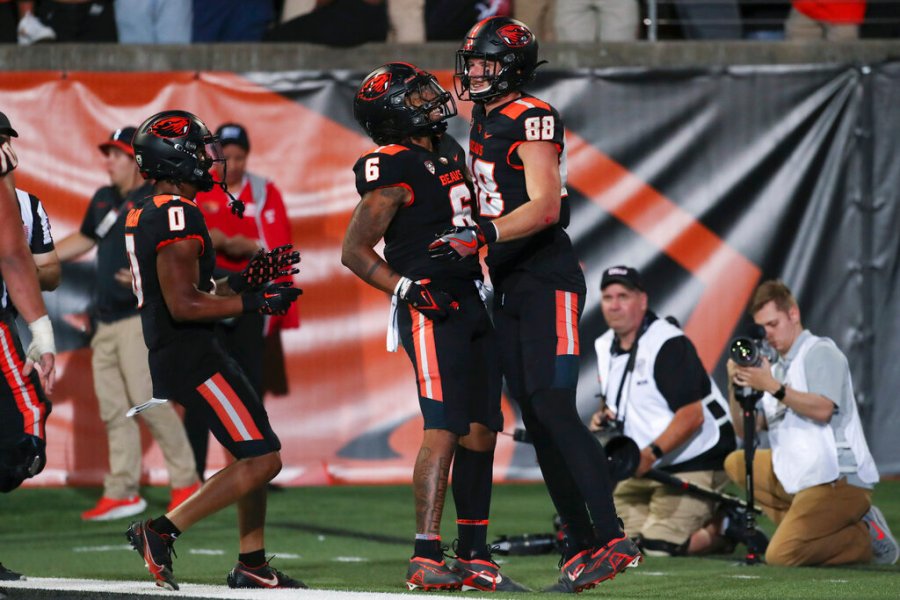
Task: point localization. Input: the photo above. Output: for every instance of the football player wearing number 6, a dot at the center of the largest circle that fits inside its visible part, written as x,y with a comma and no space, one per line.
413,186
172,261
517,159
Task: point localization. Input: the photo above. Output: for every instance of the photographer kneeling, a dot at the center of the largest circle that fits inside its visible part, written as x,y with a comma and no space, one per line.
815,483
657,392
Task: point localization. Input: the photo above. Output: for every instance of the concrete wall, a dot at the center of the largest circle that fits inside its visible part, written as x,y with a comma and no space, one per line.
280,57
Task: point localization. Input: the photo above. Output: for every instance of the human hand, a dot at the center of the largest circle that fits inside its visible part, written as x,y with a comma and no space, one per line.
434,304
457,243
41,353
265,267
274,299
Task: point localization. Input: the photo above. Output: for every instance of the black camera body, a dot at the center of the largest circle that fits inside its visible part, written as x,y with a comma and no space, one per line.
746,352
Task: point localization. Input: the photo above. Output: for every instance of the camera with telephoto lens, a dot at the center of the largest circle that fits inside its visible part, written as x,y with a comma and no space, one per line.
749,350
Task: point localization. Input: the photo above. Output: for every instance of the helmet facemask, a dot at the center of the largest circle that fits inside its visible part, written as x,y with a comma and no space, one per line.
428,105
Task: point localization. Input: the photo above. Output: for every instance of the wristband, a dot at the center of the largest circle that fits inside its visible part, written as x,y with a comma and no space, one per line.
402,287
491,233
237,283
656,450
41,339
780,392
251,303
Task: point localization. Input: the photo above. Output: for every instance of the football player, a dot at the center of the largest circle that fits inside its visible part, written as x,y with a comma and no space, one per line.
172,260
26,374
517,158
413,186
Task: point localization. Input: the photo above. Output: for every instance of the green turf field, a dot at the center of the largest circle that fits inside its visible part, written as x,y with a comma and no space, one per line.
359,539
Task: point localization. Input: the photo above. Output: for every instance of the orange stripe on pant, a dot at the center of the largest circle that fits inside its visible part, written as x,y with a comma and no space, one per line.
427,370
229,408
23,390
566,323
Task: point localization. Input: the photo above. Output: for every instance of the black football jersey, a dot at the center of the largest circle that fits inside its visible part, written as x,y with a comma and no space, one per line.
499,177
441,197
162,220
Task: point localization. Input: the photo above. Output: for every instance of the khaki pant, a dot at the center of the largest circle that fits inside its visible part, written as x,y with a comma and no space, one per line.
799,27
662,512
539,16
597,20
820,525
122,380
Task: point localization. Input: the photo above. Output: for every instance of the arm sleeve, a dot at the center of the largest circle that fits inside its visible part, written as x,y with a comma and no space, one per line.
41,240
826,371
679,374
379,170
89,223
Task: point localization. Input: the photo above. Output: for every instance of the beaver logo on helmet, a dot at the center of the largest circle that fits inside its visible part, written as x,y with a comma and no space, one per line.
515,36
170,127
375,86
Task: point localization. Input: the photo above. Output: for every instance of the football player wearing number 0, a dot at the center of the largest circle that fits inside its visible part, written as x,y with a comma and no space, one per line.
172,261
517,159
413,186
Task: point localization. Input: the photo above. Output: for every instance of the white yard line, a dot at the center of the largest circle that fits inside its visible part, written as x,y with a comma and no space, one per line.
191,590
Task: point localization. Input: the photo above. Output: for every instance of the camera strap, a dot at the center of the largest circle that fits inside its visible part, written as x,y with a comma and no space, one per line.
626,379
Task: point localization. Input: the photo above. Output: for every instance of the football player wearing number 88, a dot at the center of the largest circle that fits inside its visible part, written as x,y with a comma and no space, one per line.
172,260
517,158
413,186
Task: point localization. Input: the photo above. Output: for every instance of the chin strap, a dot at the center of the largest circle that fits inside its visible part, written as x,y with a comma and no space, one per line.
236,206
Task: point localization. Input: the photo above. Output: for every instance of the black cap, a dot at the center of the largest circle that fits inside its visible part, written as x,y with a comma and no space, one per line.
121,139
6,126
233,133
627,276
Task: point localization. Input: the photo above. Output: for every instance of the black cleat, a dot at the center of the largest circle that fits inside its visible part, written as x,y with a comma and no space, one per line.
7,575
263,576
156,550
426,574
484,576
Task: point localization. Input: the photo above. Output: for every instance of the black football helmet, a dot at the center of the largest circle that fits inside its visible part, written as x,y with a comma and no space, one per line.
20,460
397,101
176,145
507,42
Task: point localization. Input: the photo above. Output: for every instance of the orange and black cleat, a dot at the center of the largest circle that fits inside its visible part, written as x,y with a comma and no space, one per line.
156,550
590,567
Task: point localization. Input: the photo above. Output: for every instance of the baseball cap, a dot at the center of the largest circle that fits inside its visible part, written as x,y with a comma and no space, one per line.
627,276
233,133
6,126
121,139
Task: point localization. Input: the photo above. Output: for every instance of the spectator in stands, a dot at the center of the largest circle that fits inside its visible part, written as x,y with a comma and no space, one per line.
406,19
79,20
232,20
597,20
713,20
836,21
18,24
540,16
119,360
342,23
452,19
264,226
154,21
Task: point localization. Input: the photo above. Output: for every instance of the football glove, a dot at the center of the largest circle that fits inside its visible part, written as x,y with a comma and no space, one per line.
265,267
8,159
274,299
458,243
434,304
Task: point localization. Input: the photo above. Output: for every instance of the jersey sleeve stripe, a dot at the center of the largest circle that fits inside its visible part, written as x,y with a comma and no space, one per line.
515,109
229,408
390,150
427,371
194,236
23,389
566,323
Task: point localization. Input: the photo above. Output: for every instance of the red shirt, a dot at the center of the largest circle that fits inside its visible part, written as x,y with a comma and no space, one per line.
833,11
267,223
